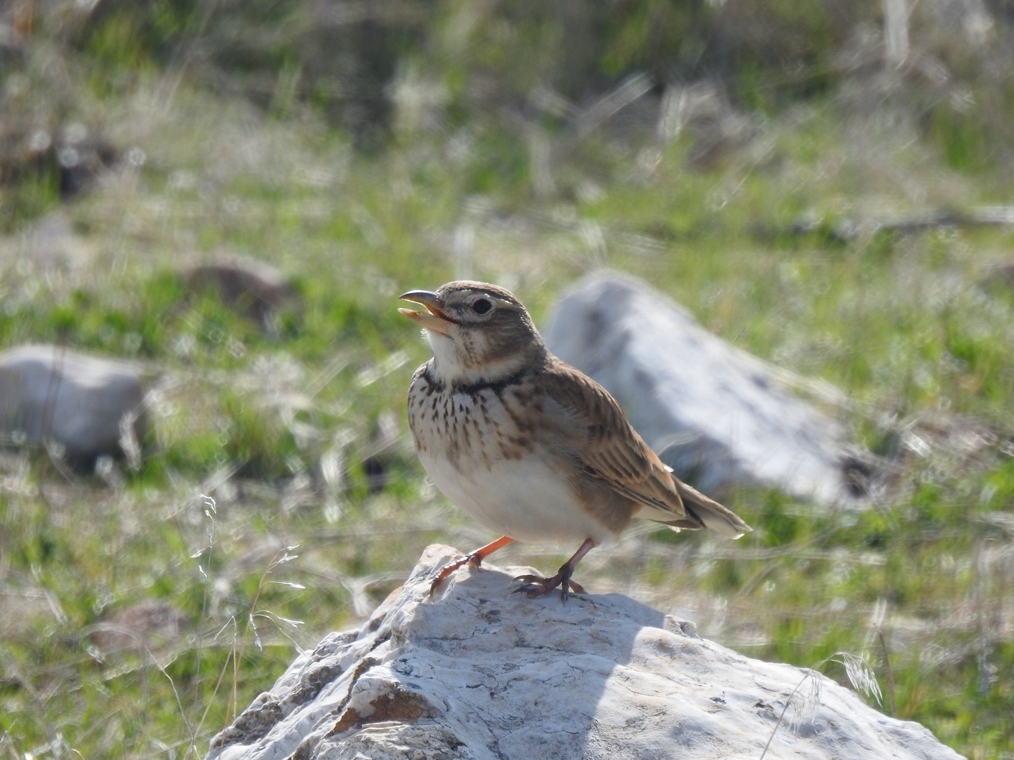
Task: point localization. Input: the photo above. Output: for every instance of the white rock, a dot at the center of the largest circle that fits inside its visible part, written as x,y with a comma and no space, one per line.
713,412
83,403
480,672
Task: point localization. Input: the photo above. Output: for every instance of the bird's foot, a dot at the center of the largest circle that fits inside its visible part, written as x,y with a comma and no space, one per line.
472,560
535,585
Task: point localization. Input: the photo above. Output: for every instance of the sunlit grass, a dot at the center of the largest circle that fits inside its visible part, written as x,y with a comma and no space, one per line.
319,506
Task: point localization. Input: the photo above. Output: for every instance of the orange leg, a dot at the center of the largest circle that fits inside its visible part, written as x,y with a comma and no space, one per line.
536,586
474,559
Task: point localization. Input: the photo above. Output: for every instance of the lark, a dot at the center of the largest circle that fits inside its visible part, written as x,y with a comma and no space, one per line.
529,446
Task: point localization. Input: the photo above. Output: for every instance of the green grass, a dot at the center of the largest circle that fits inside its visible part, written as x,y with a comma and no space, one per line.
278,428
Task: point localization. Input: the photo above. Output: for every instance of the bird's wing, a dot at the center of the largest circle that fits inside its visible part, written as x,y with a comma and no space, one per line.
593,426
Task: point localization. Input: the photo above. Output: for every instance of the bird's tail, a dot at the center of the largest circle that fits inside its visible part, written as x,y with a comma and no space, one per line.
714,516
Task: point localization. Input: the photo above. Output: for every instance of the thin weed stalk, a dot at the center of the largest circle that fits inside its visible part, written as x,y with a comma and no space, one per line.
859,673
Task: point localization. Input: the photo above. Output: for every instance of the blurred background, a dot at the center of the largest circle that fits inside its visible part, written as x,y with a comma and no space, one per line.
229,195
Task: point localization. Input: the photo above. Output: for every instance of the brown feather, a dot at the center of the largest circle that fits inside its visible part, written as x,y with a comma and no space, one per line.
611,450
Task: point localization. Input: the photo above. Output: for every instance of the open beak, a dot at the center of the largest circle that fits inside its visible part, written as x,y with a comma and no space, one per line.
432,319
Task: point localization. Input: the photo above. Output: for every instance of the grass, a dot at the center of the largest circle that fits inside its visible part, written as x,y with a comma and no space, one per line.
280,498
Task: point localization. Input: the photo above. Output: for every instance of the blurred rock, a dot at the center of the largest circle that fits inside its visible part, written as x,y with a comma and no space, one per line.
70,153
998,278
479,672
81,159
89,406
150,628
255,289
716,414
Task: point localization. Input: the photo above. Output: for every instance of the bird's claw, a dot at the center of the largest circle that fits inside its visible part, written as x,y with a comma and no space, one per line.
535,585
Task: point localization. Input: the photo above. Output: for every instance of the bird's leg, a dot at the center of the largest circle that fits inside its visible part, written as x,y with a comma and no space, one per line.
473,559
535,585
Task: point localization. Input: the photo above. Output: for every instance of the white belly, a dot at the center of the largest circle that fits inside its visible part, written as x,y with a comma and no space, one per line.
500,474
524,500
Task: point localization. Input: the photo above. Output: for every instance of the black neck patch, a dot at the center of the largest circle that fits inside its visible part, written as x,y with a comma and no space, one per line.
496,386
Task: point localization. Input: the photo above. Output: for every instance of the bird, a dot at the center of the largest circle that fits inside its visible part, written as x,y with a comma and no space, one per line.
529,446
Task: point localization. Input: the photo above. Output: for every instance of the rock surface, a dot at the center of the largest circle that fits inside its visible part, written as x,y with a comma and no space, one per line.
150,628
480,672
717,415
83,403
253,288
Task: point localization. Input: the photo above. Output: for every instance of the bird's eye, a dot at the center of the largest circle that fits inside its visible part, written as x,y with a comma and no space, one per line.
481,306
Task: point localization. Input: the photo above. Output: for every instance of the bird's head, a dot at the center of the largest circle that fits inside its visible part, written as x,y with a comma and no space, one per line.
478,332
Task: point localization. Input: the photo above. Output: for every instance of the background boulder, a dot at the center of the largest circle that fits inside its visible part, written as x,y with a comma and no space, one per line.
716,414
87,405
256,289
